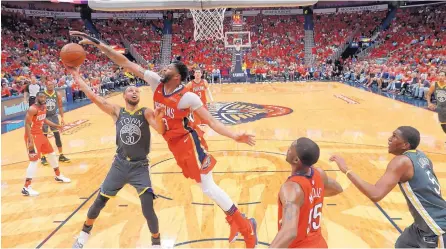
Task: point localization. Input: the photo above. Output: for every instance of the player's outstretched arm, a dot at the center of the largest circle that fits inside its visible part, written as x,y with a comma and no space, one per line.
331,186
155,119
429,93
221,129
292,197
376,192
116,57
112,110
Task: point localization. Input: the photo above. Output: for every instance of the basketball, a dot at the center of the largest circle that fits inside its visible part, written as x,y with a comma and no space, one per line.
72,55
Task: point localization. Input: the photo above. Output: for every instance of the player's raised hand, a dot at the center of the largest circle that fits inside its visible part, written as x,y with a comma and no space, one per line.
246,139
340,162
72,70
77,33
87,40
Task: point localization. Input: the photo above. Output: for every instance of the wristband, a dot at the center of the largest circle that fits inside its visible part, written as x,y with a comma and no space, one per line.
348,171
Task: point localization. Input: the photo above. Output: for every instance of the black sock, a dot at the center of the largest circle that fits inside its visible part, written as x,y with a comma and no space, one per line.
87,228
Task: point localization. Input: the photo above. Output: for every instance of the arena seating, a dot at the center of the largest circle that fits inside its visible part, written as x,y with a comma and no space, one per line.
30,47
333,30
413,46
277,42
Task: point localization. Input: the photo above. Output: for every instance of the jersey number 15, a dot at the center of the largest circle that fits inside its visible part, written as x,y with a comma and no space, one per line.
314,219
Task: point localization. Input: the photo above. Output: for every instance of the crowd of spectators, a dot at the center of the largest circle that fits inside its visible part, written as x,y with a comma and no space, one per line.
414,43
30,51
411,54
332,31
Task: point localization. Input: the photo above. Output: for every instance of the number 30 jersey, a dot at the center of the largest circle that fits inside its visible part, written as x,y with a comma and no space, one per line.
423,195
132,135
309,233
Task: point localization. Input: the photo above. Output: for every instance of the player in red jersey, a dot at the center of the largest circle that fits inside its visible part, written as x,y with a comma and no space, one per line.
301,198
184,138
36,140
200,87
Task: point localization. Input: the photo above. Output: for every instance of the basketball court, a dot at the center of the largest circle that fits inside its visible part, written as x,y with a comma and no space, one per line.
341,119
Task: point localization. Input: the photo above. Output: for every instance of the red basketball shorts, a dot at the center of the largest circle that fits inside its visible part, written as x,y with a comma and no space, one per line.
190,152
41,145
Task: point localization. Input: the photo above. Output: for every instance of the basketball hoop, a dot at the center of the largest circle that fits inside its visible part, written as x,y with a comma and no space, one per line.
208,23
237,48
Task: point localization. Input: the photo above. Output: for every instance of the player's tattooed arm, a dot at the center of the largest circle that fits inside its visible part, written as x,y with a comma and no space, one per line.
115,56
221,129
292,198
102,103
155,119
331,186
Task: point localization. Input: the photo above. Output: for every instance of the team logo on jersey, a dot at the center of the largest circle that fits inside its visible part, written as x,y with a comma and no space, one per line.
130,132
50,105
441,96
232,113
424,162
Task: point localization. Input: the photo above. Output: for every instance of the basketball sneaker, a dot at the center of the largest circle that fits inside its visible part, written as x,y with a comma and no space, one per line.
63,159
62,178
234,230
156,242
81,240
44,161
251,237
29,191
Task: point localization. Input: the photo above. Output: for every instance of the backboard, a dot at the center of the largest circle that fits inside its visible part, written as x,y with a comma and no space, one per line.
238,39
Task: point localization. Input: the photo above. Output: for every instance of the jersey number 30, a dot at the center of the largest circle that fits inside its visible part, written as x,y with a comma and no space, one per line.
314,220
434,182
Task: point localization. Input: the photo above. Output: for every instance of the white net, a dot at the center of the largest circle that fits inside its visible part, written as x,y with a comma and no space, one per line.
208,23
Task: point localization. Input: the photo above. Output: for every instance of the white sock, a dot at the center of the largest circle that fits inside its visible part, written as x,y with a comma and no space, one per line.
31,170
214,192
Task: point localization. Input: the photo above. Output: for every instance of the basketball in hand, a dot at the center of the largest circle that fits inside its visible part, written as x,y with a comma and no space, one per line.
73,55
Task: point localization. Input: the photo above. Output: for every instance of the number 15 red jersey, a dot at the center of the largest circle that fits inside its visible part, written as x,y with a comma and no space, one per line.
309,233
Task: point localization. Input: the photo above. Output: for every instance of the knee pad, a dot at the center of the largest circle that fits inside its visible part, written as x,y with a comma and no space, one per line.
52,159
31,170
57,137
444,127
97,206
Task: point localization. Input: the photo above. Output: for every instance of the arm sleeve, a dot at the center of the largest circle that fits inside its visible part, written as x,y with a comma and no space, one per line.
190,100
152,78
